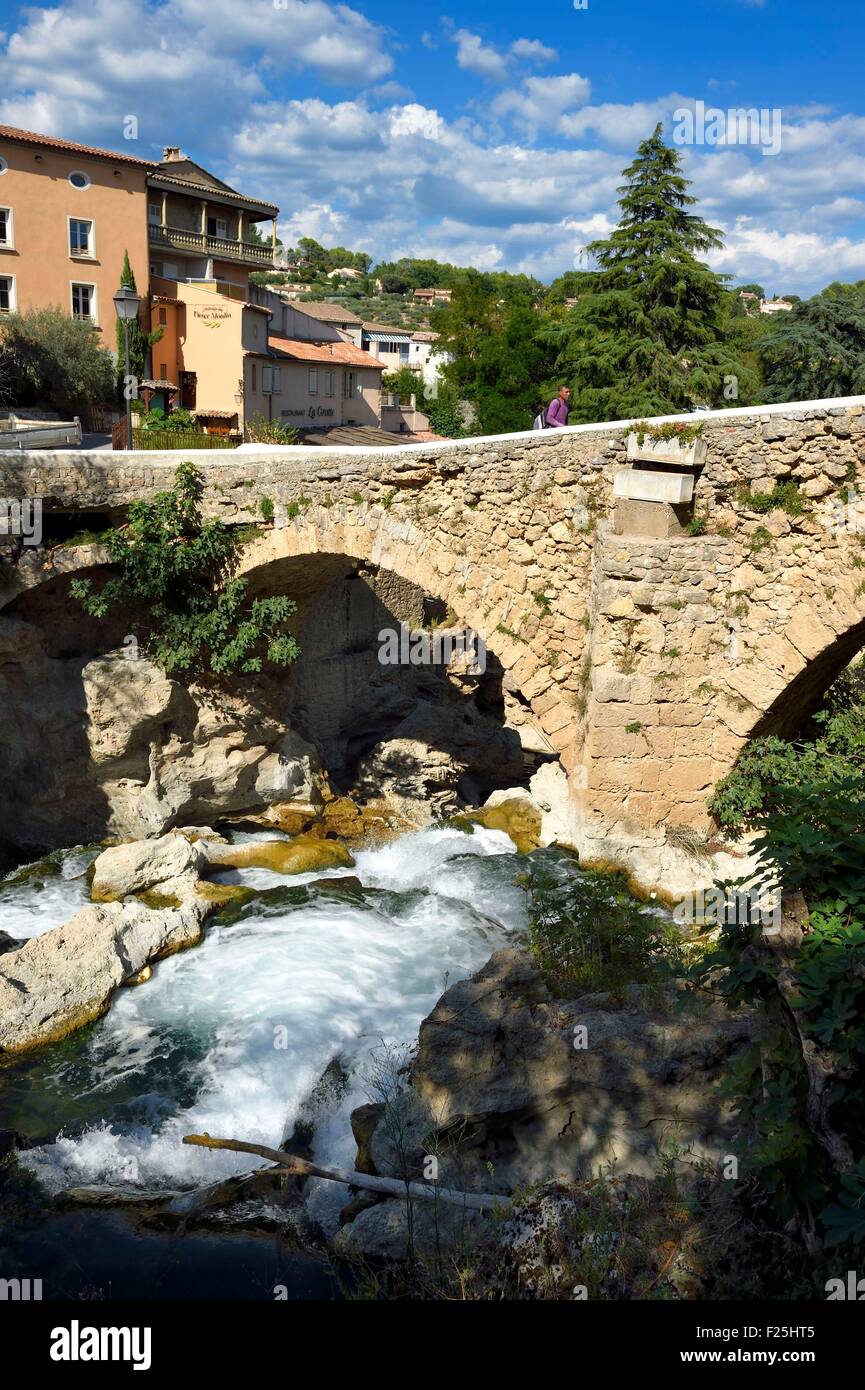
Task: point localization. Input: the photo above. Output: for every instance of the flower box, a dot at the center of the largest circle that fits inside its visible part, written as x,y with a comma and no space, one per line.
679,453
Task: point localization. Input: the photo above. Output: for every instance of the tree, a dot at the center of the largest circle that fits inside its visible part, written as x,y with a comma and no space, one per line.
646,338
175,574
139,341
512,366
48,356
818,350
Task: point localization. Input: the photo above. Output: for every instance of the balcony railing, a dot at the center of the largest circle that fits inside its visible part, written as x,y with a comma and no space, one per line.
179,239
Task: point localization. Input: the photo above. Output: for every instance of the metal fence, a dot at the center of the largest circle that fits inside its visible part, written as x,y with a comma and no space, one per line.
180,439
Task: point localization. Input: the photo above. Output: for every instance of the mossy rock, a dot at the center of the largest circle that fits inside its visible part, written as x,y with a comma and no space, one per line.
518,818
302,855
221,893
152,898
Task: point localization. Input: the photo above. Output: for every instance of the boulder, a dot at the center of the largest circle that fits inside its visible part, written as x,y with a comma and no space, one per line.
302,855
172,863
112,747
59,981
384,1233
439,757
501,1061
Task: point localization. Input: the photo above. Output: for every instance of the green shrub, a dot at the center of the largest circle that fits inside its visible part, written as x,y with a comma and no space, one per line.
47,356
785,496
269,432
587,932
175,574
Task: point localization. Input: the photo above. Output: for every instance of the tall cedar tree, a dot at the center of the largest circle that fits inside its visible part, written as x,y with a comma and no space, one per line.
646,337
818,348
139,341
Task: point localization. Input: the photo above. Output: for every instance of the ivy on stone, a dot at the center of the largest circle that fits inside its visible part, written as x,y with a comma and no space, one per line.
176,575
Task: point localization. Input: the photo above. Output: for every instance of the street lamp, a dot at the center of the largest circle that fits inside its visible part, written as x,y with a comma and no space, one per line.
126,305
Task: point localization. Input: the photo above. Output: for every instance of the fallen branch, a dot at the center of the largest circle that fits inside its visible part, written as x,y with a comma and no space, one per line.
392,1187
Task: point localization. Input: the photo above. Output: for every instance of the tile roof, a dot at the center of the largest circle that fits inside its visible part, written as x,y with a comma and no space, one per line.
31,137
324,310
388,328
299,350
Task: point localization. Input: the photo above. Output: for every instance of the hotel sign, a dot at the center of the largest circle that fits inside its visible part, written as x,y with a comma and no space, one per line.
212,318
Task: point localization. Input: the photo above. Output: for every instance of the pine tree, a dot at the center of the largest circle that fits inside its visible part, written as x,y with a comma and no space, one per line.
818,349
646,336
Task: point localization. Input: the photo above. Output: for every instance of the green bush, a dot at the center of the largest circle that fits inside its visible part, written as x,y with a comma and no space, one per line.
587,932
785,496
46,356
178,421
269,432
799,1088
175,574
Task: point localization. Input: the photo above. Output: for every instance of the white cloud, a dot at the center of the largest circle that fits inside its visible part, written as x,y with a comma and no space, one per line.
541,102
473,55
534,51
70,70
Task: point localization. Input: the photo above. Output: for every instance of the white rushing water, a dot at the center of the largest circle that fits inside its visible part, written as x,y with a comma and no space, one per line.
233,1036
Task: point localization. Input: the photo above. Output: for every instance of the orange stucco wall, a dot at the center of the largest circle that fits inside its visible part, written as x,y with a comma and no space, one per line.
36,187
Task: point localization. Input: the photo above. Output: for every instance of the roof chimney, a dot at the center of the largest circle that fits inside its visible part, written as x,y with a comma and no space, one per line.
171,153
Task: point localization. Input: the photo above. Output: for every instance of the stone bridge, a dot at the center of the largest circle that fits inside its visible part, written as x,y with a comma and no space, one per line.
646,661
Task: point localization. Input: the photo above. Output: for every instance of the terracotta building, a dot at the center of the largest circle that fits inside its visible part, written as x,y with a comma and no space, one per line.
68,213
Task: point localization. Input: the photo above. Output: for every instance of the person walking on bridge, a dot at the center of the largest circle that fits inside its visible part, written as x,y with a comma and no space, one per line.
558,409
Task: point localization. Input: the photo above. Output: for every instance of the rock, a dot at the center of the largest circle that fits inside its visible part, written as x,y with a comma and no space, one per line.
299,856
382,1232
515,815
550,791
348,885
363,1123
437,761
57,982
171,863
8,943
113,748
497,1054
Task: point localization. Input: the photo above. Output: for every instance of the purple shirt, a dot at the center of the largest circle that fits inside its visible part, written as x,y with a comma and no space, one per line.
557,413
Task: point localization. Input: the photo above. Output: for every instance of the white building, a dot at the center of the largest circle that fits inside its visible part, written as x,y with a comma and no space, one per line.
427,359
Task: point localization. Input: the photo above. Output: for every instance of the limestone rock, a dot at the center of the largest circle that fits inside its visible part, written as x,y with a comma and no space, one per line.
59,981
170,862
497,1053
302,855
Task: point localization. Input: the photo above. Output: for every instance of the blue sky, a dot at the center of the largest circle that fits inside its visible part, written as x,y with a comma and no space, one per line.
488,136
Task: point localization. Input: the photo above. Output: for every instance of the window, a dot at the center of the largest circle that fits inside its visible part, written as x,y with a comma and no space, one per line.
270,384
328,383
163,371
81,239
253,377
163,318
6,238
154,214
79,180
3,165
313,381
84,302
217,226
7,294
352,386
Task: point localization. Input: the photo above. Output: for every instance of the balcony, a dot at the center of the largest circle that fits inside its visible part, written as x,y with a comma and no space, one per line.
197,243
